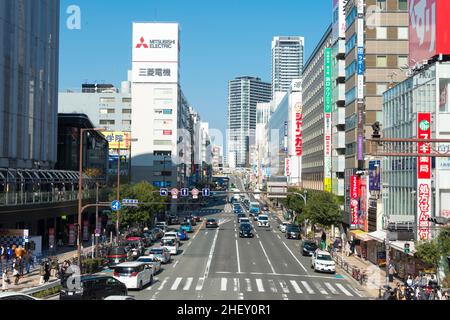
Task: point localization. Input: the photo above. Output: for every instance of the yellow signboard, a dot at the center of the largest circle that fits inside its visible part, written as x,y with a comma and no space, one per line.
327,185
118,137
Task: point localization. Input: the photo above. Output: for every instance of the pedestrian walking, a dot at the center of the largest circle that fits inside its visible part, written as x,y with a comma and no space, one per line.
5,280
16,273
347,248
409,280
46,272
3,257
27,261
41,273
392,271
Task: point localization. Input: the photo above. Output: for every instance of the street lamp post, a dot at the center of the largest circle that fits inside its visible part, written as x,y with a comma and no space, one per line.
80,190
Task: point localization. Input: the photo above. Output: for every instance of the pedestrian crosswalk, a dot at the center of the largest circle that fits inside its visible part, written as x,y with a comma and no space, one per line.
258,285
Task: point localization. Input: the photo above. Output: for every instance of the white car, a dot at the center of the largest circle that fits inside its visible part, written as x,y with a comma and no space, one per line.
152,261
263,220
161,254
135,275
117,298
283,226
172,234
244,220
170,244
322,261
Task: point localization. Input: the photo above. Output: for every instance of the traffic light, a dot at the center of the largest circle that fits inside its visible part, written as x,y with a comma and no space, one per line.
439,220
406,248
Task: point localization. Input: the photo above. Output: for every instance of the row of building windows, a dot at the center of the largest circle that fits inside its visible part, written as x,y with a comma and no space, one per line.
113,122
402,5
113,100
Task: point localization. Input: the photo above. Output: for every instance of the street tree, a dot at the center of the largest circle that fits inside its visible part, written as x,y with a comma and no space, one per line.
150,204
428,252
322,208
295,203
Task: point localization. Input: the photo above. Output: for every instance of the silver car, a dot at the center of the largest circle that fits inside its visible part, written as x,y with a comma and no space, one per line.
151,261
162,254
283,226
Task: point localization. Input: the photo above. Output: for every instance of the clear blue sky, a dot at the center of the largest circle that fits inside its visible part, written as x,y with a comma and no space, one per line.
220,39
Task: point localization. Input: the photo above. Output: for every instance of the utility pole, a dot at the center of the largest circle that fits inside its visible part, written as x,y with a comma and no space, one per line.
118,193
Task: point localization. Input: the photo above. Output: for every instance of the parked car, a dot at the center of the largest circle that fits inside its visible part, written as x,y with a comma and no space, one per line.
159,233
293,232
322,261
93,287
245,230
116,255
265,208
186,226
309,247
282,226
212,223
135,275
263,221
237,209
255,217
239,216
172,234
149,237
160,253
152,261
171,244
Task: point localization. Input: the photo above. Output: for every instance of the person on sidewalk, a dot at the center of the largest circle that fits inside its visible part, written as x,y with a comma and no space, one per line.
347,248
27,261
392,271
5,280
3,257
46,272
410,281
16,273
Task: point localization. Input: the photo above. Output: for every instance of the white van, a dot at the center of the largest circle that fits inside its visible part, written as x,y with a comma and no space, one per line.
172,234
171,244
135,275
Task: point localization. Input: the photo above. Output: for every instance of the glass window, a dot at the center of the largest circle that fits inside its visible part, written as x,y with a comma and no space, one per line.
107,99
381,4
381,33
162,142
402,61
103,111
403,5
167,111
111,111
381,61
126,122
107,122
126,100
126,111
402,33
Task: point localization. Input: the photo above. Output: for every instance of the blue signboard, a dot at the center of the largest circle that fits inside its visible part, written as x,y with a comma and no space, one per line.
115,205
375,175
361,65
184,192
163,192
206,192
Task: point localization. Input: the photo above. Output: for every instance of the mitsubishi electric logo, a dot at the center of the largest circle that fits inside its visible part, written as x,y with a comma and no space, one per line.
142,44
156,44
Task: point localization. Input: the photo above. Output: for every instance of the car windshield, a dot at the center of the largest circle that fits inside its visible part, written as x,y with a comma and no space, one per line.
263,218
156,251
241,215
293,229
325,257
246,226
146,260
124,270
168,242
310,245
117,251
211,220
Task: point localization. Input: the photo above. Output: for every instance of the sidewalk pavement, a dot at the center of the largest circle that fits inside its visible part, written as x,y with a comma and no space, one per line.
32,279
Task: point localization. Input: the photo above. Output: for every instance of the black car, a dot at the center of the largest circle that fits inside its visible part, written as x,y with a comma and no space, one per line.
309,247
293,232
191,220
212,223
90,287
173,220
240,215
245,230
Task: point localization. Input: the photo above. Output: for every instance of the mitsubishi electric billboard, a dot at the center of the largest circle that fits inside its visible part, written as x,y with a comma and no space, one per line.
155,52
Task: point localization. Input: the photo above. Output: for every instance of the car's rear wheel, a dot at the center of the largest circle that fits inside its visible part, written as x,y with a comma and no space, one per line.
140,285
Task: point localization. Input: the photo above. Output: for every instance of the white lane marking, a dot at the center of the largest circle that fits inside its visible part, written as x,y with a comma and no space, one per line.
223,284
285,296
154,296
199,286
176,284
249,285
206,233
272,286
238,262
235,230
319,287
284,286
296,287
248,242
224,272
278,236
259,273
257,236
342,288
235,235
331,288
355,291
267,257
188,284
189,243
236,285
175,264
241,296
163,283
211,253
307,287
295,257
260,286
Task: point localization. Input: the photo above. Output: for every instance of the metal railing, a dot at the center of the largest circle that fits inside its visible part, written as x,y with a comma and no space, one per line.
25,198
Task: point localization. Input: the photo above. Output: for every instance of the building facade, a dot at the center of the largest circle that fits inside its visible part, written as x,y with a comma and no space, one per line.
243,95
376,53
287,62
313,159
29,50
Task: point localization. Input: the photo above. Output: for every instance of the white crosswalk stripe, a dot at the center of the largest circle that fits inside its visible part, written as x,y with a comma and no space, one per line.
163,283
223,284
236,284
319,287
331,288
345,291
176,284
188,283
259,285
296,287
199,286
307,287
249,285
284,286
272,286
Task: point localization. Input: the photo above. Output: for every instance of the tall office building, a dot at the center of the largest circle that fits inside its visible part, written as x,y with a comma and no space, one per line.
29,49
243,95
287,62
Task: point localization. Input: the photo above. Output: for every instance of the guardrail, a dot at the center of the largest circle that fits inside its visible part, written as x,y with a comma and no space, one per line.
46,286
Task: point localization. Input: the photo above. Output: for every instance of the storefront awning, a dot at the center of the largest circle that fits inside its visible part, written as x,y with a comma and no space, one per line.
361,235
379,235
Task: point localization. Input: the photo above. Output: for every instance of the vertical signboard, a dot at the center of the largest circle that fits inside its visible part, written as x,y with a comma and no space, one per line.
287,167
328,88
354,203
424,177
360,81
374,175
72,232
298,121
338,19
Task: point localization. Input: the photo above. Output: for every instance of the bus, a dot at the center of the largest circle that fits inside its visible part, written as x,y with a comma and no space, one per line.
255,208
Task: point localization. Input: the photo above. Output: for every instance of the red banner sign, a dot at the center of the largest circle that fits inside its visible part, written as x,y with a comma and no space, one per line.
354,203
424,176
298,134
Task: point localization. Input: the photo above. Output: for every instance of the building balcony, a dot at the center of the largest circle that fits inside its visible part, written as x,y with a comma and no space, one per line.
338,117
338,163
339,92
338,140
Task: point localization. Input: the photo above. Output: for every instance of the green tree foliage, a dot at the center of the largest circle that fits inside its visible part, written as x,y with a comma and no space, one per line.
322,208
428,252
148,198
444,241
